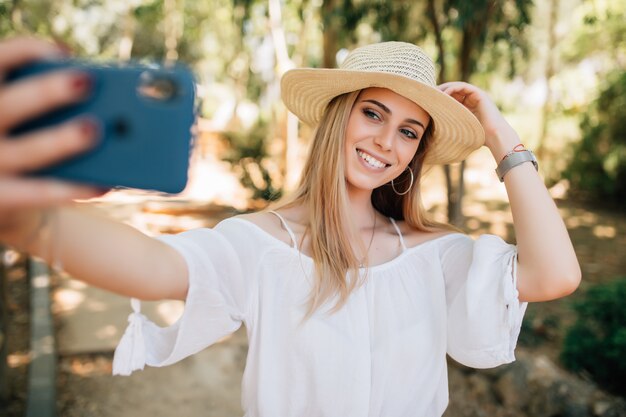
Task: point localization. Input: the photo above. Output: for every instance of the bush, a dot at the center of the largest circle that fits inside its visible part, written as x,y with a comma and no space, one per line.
596,343
249,158
597,171
538,328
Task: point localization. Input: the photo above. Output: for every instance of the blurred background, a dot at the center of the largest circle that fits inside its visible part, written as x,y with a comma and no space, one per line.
556,68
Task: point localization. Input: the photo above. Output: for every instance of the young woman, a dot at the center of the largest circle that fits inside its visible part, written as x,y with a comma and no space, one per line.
350,295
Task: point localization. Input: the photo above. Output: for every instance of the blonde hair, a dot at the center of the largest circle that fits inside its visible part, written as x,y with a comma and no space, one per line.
322,191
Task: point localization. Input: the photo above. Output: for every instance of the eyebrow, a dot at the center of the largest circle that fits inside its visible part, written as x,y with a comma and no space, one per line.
388,111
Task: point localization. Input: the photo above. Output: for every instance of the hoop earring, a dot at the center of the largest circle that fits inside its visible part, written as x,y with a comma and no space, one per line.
410,185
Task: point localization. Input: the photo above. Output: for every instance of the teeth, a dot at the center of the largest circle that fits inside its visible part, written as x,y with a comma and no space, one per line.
371,160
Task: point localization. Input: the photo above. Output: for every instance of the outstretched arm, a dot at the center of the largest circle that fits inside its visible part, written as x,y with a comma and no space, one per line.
92,248
547,264
101,252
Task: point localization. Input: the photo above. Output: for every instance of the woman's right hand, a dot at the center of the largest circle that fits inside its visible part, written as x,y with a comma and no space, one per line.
26,99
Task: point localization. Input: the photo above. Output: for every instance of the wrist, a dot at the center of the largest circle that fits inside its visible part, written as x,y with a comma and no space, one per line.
517,156
21,229
501,142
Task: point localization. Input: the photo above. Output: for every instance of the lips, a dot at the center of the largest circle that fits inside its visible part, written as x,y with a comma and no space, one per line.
371,161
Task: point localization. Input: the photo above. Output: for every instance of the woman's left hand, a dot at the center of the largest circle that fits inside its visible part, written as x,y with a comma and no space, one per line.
500,137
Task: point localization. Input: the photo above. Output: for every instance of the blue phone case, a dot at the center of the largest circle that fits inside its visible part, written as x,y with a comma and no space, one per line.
146,114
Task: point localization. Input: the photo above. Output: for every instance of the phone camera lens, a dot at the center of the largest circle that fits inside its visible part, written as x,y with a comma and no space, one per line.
157,87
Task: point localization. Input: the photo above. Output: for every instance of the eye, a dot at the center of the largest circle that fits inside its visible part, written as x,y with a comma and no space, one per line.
371,114
409,133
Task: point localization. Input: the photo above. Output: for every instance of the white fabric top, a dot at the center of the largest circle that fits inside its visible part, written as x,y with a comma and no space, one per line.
382,354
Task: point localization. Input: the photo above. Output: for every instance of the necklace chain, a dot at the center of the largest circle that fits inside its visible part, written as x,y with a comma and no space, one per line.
361,264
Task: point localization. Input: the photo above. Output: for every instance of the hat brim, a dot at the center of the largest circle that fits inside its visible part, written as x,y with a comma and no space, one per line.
456,131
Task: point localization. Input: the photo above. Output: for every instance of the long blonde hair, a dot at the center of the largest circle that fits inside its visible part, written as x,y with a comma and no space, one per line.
322,191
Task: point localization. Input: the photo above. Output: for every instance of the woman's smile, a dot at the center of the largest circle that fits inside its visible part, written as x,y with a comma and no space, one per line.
371,161
383,133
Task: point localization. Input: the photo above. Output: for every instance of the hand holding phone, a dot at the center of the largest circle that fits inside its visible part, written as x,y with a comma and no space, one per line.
144,115
36,150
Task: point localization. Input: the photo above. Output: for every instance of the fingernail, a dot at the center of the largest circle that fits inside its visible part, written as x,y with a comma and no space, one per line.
90,130
81,83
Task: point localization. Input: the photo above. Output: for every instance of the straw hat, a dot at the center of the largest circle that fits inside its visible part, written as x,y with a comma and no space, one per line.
401,67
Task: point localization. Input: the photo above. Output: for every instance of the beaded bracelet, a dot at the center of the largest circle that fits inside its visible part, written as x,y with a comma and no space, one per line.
513,158
518,148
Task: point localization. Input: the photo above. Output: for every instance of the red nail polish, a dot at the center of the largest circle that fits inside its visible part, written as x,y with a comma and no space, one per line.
81,83
90,129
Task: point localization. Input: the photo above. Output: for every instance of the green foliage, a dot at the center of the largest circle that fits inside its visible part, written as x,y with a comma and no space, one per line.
597,171
249,158
602,35
597,341
147,42
492,31
538,329
393,20
5,18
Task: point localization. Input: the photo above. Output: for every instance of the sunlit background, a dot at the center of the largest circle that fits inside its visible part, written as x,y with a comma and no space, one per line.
556,68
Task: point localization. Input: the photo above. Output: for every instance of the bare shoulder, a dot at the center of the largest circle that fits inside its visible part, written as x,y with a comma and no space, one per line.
270,223
414,237
263,219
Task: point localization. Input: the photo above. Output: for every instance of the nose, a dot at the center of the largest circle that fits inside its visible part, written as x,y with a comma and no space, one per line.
384,139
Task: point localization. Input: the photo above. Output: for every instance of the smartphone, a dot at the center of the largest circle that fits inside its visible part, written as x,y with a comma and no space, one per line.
145,114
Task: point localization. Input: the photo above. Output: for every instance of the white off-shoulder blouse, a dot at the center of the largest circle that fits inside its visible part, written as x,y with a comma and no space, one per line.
382,354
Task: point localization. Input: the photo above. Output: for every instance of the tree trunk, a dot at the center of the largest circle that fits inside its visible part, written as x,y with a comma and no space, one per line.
549,73
17,20
441,58
455,185
289,131
4,323
447,169
278,37
471,41
452,190
173,23
331,34
126,43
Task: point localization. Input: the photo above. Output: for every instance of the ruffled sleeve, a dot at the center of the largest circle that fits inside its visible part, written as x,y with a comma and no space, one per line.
218,301
484,312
